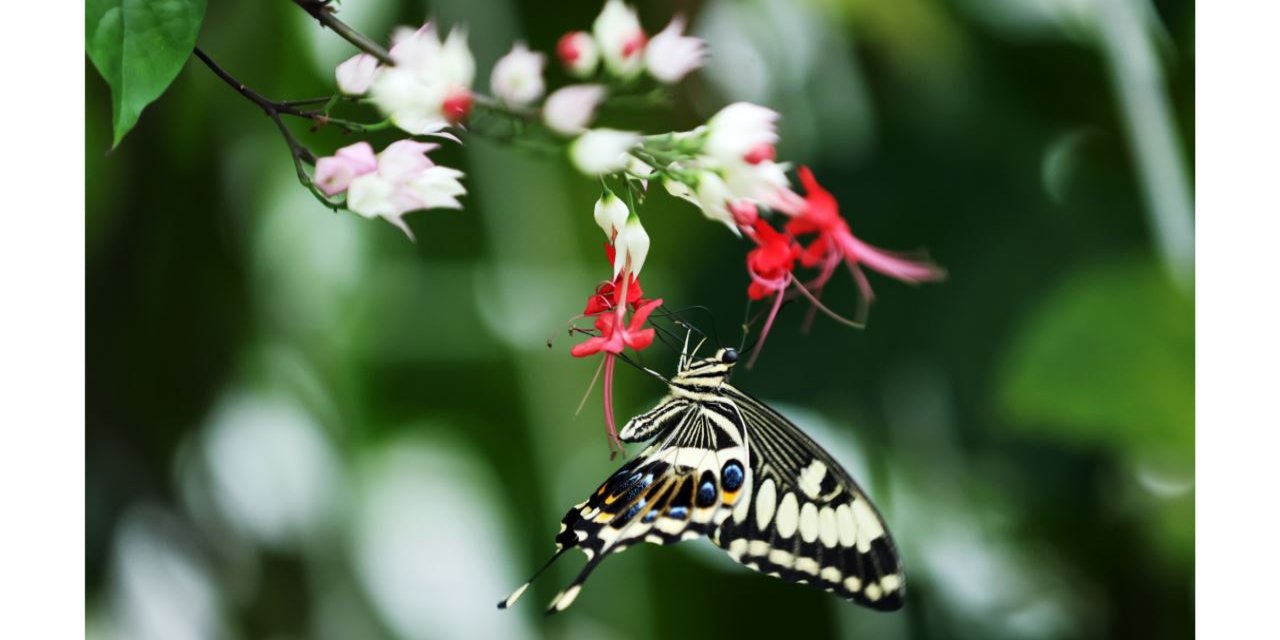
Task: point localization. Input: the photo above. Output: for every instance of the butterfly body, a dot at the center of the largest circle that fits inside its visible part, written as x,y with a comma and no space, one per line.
724,465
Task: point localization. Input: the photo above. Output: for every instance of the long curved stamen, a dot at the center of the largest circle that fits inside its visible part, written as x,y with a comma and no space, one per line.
768,323
834,316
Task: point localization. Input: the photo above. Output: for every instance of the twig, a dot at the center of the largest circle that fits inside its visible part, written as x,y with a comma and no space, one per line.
323,12
298,151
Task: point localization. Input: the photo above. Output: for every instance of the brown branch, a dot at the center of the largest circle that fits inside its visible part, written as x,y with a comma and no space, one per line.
270,107
323,12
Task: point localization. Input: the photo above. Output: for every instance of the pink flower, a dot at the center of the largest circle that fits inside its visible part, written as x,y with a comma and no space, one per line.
429,88
835,243
335,173
356,75
671,55
578,52
569,110
399,180
620,38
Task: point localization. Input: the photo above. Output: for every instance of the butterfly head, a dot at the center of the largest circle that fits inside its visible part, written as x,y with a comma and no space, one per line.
707,373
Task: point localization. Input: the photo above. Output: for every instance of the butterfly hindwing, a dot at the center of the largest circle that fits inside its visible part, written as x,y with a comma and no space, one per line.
807,521
674,490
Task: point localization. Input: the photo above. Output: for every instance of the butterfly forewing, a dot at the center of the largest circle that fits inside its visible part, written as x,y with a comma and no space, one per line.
806,520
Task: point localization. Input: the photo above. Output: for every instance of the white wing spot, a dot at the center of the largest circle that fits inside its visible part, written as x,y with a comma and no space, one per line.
766,500
830,574
891,583
873,592
869,527
807,565
781,558
566,598
737,548
852,584
848,530
511,599
811,478
827,524
758,548
788,516
809,522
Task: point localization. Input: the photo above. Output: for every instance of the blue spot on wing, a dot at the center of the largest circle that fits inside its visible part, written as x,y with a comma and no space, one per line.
732,476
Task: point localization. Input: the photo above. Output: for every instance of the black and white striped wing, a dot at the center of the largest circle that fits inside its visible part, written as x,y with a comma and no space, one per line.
679,488
805,520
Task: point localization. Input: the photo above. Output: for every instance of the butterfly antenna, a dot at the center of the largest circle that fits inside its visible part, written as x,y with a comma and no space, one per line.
746,327
515,595
623,357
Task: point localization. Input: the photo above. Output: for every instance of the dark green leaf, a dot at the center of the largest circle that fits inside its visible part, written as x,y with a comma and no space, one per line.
139,46
1107,358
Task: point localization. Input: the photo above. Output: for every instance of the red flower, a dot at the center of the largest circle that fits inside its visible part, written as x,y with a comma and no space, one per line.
770,266
614,336
771,262
605,297
609,305
835,243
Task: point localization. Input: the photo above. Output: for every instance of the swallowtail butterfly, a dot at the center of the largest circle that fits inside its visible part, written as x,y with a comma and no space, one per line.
724,465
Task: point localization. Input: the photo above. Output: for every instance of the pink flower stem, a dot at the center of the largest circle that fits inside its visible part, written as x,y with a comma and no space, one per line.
614,441
823,308
768,324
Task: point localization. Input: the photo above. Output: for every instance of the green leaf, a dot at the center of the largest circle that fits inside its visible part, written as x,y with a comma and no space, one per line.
1108,359
139,46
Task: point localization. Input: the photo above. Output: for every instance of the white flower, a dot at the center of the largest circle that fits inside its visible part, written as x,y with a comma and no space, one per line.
640,169
601,151
712,196
578,52
429,87
517,77
630,246
671,55
569,110
739,130
620,38
611,214
405,180
764,182
356,74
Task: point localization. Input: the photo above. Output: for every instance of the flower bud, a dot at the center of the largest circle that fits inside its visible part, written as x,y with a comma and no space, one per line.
578,52
620,38
611,214
602,151
631,247
569,110
517,77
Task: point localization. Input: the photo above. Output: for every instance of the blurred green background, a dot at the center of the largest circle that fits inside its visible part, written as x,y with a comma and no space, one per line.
301,425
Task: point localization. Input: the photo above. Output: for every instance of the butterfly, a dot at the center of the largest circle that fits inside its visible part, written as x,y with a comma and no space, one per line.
724,465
